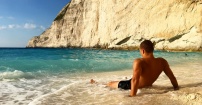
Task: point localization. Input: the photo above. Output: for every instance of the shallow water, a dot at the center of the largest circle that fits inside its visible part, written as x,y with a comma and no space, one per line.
61,76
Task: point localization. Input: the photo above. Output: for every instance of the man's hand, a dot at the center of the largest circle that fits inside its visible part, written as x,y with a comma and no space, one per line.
176,88
130,96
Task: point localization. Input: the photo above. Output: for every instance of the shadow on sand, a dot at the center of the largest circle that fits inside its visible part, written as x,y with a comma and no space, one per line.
155,89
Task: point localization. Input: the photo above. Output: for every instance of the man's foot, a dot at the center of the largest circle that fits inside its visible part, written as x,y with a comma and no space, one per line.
92,81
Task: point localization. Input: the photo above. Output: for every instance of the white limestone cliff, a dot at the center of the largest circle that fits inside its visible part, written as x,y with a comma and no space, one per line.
171,24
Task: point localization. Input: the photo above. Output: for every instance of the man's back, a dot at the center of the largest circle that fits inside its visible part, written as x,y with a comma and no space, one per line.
147,69
151,69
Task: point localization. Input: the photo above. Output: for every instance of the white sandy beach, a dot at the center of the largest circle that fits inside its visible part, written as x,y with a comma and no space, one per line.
81,92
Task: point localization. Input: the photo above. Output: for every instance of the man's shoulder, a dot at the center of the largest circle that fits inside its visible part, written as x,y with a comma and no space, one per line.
138,60
160,58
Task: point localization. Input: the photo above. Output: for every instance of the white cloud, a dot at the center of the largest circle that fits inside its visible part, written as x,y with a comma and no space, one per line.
24,26
29,26
10,17
11,26
2,27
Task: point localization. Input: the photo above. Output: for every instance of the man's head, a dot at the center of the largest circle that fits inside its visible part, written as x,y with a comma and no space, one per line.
146,47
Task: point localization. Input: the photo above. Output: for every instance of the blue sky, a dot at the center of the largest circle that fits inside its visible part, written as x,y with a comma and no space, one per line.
20,20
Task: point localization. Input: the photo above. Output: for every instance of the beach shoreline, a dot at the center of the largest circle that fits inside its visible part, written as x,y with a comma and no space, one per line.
77,89
160,93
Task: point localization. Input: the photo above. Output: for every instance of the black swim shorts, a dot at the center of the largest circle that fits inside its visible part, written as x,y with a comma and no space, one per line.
125,84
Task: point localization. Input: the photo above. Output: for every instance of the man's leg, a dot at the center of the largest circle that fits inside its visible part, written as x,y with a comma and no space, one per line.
113,84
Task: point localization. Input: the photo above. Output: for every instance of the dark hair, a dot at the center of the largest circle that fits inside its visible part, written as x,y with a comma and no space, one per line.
147,45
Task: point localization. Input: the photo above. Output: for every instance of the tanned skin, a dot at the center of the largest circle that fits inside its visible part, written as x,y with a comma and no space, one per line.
146,70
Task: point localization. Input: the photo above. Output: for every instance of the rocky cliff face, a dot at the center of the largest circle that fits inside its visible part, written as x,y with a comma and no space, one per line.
170,24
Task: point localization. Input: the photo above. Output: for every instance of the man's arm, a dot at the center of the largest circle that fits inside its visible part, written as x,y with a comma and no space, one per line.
170,75
136,75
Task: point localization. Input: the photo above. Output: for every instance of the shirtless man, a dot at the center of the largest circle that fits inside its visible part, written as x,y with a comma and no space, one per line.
146,70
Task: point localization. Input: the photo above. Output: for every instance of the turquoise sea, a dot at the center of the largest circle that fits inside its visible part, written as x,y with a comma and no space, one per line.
40,76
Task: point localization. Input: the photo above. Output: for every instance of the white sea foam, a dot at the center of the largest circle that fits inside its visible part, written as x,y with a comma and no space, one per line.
13,93
16,74
82,92
16,89
39,100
